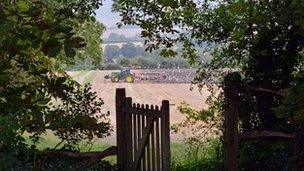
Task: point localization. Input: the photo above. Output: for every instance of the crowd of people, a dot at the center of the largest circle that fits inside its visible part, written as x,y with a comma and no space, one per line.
164,75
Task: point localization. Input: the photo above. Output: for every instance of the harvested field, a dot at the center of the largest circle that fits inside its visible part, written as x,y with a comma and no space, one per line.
147,93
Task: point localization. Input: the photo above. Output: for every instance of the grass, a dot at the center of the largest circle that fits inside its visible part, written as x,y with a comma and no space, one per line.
84,76
89,77
209,157
182,156
50,141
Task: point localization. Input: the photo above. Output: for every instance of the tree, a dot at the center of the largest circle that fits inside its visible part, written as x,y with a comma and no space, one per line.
116,38
90,56
143,62
170,63
128,50
123,61
113,38
92,52
263,40
111,51
140,51
35,36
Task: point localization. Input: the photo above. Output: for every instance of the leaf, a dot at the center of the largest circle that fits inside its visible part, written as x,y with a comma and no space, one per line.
22,6
69,52
52,47
168,53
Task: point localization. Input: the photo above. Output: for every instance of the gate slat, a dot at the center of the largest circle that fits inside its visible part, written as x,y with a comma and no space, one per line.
153,144
153,148
144,164
128,135
148,154
143,142
134,137
157,146
138,136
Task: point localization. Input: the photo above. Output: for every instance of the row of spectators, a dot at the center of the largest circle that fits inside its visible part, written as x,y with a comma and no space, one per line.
164,75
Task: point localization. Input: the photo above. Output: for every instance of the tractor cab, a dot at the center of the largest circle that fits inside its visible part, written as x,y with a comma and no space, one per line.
124,75
125,71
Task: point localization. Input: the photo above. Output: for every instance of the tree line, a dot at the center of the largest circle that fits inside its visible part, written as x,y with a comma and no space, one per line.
136,56
127,50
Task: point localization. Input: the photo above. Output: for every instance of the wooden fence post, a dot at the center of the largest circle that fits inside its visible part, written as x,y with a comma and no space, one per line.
230,130
120,129
128,134
165,133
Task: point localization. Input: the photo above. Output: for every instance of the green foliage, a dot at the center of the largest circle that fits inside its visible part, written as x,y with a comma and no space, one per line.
90,56
198,127
35,160
116,38
143,62
111,51
170,62
36,36
123,61
201,132
78,118
128,50
263,155
261,40
209,157
292,105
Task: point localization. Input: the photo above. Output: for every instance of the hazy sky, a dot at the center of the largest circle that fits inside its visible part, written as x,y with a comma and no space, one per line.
106,16
109,19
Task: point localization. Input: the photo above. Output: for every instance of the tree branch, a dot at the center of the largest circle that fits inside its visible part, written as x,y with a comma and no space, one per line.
89,158
261,89
265,135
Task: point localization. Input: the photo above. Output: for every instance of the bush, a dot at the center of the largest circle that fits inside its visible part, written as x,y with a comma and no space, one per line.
35,160
265,155
209,157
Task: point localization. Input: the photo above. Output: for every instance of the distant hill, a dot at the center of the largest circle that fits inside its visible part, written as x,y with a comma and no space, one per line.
126,31
121,38
120,44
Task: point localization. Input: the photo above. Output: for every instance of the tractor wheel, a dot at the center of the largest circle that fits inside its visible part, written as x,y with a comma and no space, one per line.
115,79
129,78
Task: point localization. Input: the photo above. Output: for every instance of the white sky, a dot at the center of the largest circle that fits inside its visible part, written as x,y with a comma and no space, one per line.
109,19
106,16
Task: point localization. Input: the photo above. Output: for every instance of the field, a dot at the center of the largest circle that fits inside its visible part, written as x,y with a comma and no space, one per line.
146,93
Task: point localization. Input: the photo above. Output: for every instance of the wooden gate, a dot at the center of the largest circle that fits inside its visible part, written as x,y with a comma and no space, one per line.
143,139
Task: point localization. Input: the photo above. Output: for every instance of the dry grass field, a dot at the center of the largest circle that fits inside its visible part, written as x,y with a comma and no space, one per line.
146,93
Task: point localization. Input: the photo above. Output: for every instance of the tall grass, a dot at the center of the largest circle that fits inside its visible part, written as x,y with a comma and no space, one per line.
187,158
183,156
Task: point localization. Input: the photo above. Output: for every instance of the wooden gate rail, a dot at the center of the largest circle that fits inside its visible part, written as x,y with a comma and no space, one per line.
231,133
89,158
143,135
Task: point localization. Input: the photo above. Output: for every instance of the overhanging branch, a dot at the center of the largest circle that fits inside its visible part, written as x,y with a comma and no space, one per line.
265,135
89,158
261,89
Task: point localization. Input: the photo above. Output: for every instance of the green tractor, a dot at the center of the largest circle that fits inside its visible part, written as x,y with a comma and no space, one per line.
124,74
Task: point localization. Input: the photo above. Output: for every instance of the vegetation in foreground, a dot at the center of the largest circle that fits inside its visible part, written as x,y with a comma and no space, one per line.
257,47
37,39
184,157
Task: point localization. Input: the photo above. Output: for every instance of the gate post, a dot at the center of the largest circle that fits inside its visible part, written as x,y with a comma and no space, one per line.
120,128
231,122
128,134
165,133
